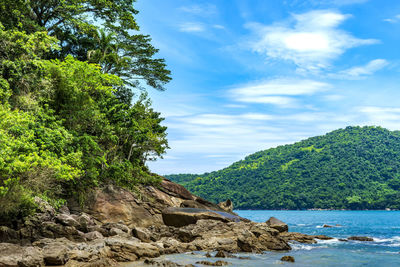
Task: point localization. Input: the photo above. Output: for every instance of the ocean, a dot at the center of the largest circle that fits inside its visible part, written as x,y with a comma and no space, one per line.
383,226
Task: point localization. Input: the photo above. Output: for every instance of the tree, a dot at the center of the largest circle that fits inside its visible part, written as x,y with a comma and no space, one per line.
70,21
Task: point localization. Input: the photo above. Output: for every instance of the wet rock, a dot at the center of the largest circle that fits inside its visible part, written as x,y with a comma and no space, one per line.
277,224
360,238
208,255
293,236
327,226
221,254
164,263
322,237
343,239
288,258
226,205
209,263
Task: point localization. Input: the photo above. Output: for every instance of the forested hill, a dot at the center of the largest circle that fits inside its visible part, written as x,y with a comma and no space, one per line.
352,168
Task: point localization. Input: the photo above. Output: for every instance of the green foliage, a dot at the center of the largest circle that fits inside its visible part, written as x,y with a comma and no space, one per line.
352,168
68,119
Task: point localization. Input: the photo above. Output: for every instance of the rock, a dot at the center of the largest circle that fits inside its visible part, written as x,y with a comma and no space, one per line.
208,255
360,238
322,237
217,263
221,254
8,235
287,258
124,249
93,235
302,238
176,189
141,234
179,217
85,221
327,226
55,254
273,243
277,224
114,204
64,210
343,239
164,263
192,204
226,205
44,207
15,255
66,220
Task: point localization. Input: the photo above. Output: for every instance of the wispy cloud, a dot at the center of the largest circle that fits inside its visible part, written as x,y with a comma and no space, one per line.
200,10
394,19
311,41
388,117
360,72
277,92
192,27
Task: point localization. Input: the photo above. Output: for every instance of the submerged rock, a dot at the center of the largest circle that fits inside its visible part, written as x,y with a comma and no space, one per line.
209,263
287,258
360,238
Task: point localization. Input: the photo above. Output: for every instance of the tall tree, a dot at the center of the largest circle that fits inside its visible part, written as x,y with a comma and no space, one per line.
77,23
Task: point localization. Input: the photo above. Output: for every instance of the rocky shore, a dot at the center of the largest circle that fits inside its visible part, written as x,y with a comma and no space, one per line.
116,226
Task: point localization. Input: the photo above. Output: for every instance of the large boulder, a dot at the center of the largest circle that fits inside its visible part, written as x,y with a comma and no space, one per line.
277,224
175,189
15,255
179,217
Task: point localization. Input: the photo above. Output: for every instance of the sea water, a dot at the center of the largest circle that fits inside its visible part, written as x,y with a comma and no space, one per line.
382,226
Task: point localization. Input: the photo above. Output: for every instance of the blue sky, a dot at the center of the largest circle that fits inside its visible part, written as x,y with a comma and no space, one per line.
253,74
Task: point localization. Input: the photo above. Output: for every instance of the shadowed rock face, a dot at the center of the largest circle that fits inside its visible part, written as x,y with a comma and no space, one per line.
184,216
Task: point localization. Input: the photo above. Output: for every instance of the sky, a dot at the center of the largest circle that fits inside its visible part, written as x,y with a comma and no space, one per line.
249,75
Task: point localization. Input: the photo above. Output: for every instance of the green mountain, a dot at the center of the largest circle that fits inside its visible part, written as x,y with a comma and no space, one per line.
351,168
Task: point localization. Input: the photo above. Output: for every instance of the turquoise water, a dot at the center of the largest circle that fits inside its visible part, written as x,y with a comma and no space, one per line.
383,226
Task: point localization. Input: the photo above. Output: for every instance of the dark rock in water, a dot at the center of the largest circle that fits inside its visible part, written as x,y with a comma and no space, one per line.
343,239
302,238
222,254
208,255
327,226
360,238
322,237
179,217
244,258
164,263
277,224
287,258
226,205
217,263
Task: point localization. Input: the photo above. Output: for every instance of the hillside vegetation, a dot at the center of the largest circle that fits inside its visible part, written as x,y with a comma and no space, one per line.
351,168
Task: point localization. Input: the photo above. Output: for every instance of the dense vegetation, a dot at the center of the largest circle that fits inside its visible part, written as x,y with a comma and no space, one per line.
352,168
73,112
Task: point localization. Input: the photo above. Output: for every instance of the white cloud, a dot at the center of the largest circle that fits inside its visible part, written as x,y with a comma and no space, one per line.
387,117
359,72
192,27
311,42
277,91
395,19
